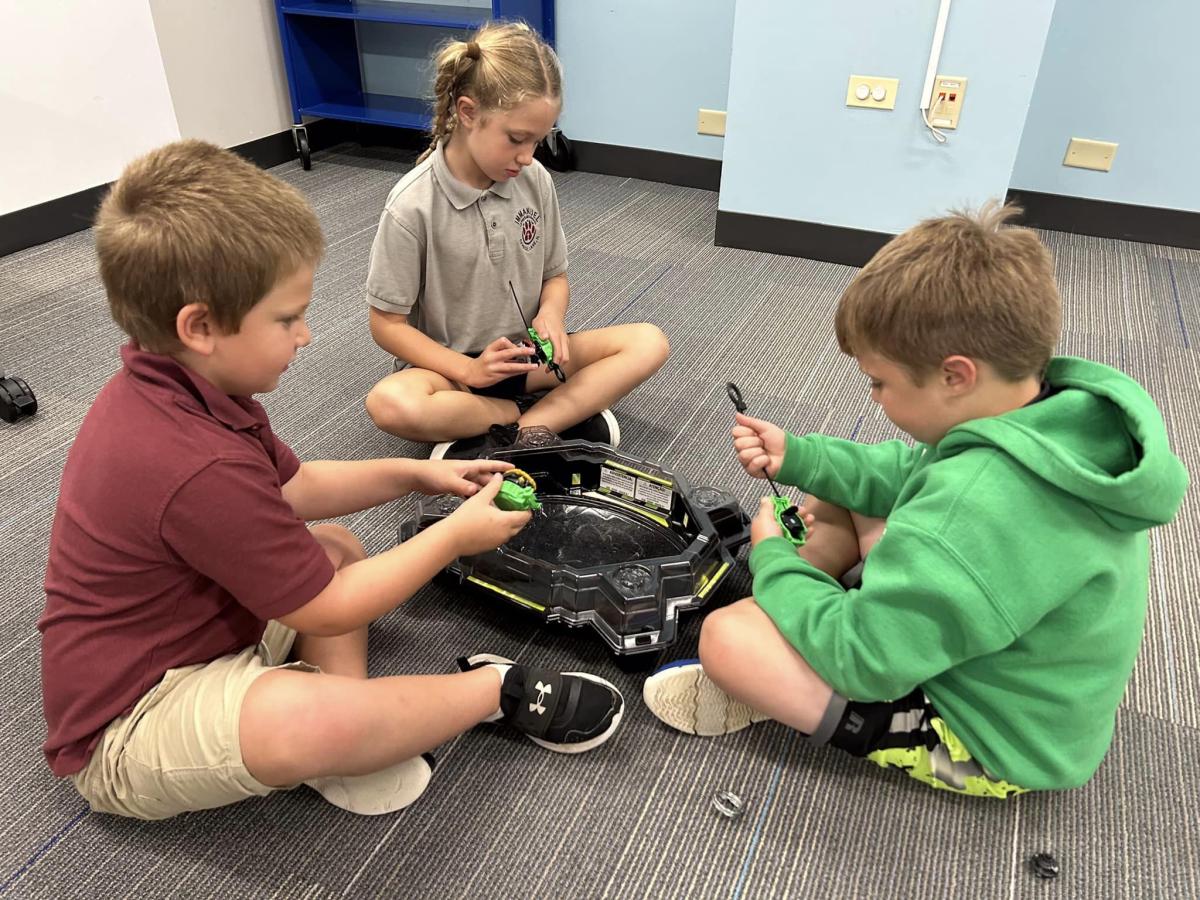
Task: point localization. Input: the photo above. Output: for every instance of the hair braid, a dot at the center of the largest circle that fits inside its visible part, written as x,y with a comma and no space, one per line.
452,64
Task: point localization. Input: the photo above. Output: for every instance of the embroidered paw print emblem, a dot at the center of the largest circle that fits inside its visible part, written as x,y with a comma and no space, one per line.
543,690
529,220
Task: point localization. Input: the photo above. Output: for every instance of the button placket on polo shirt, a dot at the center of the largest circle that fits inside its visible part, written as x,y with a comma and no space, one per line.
491,227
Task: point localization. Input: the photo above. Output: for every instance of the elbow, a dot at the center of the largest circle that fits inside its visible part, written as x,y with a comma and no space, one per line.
322,616
383,326
377,324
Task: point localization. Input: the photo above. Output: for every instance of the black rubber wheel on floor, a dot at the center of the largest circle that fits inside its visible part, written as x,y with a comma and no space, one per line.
305,153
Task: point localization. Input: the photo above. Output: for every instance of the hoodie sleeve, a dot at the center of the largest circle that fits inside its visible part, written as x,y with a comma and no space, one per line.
865,478
920,611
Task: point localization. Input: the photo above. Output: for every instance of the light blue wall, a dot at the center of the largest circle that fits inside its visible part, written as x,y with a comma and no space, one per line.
1116,70
637,71
793,150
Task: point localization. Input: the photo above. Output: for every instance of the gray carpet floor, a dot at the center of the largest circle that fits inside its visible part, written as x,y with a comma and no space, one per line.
505,819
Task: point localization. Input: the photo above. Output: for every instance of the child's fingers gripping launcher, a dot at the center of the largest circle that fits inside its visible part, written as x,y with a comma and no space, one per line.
518,491
786,512
543,348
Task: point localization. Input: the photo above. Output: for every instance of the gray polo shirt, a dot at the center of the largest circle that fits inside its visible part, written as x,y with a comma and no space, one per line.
445,252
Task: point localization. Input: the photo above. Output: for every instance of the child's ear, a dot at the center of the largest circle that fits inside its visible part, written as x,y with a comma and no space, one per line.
195,328
959,373
467,111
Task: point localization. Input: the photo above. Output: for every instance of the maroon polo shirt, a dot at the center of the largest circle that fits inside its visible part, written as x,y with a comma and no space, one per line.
171,545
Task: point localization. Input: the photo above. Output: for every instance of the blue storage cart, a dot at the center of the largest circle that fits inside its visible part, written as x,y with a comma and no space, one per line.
324,69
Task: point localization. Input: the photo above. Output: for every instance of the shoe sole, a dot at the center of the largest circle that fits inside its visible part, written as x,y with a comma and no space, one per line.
386,791
614,430
582,746
439,450
682,696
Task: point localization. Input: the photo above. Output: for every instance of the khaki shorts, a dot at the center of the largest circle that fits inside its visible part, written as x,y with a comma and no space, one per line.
178,749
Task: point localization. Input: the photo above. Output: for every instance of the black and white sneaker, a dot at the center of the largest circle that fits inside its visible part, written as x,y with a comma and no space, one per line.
602,428
567,712
498,437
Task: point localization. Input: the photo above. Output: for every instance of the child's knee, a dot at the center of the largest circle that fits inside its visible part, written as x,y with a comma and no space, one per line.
395,411
724,638
340,544
652,344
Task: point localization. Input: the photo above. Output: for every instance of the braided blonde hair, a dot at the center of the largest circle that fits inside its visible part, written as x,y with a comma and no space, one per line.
502,65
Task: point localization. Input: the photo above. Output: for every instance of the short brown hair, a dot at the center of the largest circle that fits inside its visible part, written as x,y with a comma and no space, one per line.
968,283
192,223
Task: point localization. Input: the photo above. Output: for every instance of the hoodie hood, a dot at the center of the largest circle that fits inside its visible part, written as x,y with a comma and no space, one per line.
1100,438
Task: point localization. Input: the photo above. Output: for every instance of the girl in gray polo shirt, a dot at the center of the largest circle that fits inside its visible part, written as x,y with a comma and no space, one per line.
476,214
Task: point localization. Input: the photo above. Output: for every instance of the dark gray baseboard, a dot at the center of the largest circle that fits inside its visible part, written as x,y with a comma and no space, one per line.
788,237
854,247
1102,218
649,165
53,219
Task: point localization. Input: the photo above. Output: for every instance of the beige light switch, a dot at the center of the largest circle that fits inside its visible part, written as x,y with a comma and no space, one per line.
872,92
1088,154
711,121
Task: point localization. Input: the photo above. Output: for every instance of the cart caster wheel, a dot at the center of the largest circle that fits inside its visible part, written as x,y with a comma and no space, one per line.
305,153
638,663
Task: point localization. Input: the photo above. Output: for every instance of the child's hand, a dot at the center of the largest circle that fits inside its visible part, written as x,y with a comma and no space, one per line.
552,327
479,525
765,525
759,445
501,359
463,477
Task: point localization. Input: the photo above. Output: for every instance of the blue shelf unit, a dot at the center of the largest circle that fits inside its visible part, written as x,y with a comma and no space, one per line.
322,56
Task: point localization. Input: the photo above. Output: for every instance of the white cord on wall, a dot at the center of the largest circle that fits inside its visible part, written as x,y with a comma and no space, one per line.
935,55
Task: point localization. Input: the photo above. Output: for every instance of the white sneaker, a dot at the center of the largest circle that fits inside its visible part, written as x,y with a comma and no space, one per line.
682,696
385,791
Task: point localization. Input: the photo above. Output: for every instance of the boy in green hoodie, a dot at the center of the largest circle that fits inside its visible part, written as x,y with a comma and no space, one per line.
998,615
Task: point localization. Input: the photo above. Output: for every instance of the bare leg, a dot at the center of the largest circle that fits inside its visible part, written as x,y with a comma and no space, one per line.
297,726
342,654
424,406
746,656
605,365
832,545
774,679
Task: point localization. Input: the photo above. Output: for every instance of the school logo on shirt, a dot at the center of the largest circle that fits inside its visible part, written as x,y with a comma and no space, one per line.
529,219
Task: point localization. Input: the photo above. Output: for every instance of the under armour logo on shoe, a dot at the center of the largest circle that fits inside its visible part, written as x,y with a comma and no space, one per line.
854,724
543,690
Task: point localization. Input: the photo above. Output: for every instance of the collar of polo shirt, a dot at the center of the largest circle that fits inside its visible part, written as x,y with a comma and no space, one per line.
463,195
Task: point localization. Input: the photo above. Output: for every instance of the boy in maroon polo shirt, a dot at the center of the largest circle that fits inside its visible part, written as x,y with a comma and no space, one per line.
200,643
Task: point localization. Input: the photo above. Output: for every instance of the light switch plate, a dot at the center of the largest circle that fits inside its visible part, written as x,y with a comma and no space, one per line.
711,121
1088,154
890,86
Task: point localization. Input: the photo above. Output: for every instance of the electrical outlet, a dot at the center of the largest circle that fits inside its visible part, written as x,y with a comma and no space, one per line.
1086,154
872,92
711,121
945,105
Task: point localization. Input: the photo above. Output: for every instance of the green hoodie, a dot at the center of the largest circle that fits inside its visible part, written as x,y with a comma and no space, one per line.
1011,581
